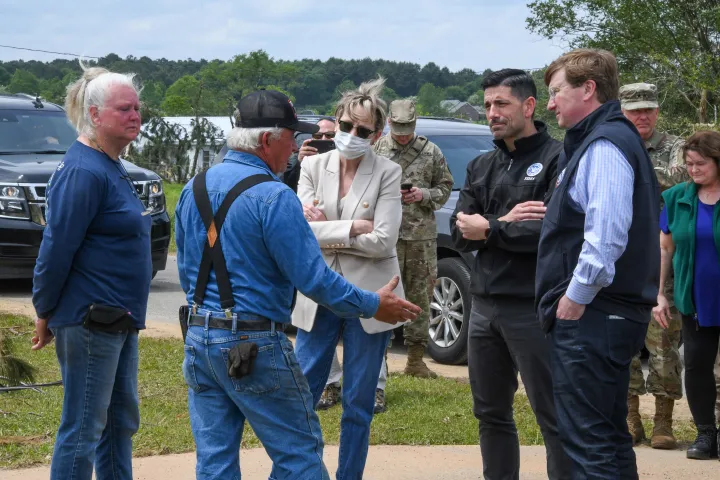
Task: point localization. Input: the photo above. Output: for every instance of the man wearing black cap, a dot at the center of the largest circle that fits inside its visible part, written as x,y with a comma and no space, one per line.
240,283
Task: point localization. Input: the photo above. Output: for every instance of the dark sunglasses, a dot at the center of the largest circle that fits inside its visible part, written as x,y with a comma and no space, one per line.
319,136
362,132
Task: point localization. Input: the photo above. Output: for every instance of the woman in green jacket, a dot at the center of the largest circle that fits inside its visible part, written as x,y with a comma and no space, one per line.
690,246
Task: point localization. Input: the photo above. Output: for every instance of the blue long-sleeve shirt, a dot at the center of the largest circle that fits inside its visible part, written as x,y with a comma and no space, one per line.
268,246
96,245
603,189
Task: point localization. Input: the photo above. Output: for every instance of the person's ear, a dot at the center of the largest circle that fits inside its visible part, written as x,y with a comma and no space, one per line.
94,114
589,89
529,107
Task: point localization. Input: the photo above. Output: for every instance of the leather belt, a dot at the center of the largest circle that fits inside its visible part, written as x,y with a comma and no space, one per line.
259,325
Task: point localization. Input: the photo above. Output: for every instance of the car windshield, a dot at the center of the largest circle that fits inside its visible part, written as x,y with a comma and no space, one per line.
34,131
459,150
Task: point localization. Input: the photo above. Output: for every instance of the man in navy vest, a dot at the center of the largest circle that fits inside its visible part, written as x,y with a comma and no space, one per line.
598,263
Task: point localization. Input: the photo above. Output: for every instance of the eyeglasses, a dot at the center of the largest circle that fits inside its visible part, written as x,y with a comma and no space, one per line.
362,132
553,91
320,135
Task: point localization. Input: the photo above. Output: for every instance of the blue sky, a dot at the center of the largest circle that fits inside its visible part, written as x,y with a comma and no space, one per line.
476,34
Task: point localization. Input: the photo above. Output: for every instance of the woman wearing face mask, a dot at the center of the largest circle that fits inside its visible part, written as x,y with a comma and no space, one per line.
351,198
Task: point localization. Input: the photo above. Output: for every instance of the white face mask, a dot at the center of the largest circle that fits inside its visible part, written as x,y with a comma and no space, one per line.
350,146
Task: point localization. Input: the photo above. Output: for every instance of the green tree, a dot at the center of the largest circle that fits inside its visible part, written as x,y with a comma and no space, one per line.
163,148
345,86
428,100
389,95
189,96
678,43
23,81
477,98
153,93
455,92
4,76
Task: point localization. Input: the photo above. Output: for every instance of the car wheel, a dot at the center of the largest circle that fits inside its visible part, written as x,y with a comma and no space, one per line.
450,313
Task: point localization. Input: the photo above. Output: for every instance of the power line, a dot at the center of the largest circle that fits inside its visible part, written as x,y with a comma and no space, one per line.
48,51
90,56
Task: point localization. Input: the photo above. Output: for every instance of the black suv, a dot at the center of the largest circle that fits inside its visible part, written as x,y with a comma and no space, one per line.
34,136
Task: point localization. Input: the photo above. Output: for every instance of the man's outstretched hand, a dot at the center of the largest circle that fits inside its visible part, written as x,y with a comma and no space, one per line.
394,309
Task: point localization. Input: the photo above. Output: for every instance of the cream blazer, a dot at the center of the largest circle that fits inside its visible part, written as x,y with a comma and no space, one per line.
368,261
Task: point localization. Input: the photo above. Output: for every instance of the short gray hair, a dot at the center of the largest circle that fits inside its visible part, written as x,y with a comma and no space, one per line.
91,89
248,139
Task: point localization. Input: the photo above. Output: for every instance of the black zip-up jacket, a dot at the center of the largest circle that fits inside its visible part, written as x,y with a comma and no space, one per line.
495,183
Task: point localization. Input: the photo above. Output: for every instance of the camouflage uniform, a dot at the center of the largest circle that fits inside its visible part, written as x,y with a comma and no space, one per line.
664,380
665,377
423,165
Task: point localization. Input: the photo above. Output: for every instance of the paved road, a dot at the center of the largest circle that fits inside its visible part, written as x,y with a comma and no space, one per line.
165,298
165,293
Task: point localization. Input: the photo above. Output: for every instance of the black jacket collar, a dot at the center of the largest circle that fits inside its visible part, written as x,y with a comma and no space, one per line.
526,144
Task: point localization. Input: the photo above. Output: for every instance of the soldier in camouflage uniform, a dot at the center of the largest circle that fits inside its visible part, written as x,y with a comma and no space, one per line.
424,166
639,102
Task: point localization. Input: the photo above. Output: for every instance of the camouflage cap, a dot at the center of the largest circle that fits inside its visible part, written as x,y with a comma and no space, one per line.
402,117
638,95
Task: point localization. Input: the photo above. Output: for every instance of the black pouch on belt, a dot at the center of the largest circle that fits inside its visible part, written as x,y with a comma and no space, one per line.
102,318
183,316
241,359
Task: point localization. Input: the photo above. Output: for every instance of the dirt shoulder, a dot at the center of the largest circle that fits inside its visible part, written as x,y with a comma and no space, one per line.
407,463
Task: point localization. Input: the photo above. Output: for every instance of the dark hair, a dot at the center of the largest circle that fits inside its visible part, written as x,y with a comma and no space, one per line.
520,82
706,143
325,118
586,64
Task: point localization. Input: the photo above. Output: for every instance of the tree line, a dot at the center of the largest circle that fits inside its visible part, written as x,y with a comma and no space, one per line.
675,45
189,87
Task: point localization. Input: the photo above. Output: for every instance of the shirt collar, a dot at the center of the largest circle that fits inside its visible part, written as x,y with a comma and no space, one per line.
244,158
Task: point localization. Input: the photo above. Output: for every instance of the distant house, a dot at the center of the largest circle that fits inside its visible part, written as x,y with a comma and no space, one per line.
206,155
460,109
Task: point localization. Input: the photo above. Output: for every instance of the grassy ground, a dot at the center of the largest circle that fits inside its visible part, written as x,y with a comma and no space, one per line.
172,194
421,412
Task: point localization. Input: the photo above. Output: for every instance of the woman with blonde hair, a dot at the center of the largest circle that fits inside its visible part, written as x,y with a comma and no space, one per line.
351,197
92,280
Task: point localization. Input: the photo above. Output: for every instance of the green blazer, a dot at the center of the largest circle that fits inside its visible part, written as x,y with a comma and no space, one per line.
681,202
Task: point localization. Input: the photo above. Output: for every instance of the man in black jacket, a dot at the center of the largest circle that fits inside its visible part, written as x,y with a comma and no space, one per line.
499,215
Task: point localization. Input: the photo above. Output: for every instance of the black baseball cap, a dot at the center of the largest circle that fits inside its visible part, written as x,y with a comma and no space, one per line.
270,108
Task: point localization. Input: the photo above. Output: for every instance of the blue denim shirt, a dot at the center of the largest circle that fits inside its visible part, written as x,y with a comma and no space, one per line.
268,245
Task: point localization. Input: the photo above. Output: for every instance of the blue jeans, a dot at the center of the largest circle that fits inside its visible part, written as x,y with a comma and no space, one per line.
362,357
100,405
275,400
591,375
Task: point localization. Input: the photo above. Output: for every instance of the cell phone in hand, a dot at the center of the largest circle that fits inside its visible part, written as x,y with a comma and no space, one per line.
406,186
322,146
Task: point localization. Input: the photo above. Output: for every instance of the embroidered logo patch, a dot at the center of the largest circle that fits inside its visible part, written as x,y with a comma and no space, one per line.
534,169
